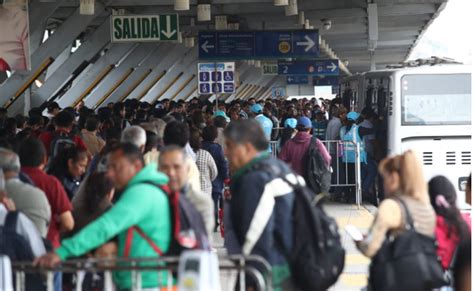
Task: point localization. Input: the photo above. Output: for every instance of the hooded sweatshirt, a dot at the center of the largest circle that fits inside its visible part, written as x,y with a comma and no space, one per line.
142,205
294,151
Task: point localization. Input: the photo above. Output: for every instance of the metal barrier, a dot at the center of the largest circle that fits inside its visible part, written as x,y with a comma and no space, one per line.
235,264
341,170
274,149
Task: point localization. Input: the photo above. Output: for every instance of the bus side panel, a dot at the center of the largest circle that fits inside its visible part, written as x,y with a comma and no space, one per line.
447,156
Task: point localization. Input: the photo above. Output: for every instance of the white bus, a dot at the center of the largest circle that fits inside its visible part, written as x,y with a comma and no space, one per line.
423,108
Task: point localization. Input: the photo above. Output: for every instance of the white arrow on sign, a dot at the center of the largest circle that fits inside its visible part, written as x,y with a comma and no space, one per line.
309,43
333,67
290,79
167,32
206,46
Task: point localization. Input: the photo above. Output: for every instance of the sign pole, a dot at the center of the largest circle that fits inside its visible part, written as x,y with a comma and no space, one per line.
216,87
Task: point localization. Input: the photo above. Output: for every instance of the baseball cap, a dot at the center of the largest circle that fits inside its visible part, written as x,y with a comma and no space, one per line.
304,122
291,122
222,113
352,115
256,108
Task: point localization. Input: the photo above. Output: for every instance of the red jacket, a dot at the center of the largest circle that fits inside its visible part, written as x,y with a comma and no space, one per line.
294,150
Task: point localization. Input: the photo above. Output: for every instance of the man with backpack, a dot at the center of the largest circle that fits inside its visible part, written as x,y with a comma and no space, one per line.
172,162
308,157
261,202
61,138
142,214
19,239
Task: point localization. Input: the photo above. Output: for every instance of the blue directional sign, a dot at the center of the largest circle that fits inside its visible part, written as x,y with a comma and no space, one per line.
297,80
312,68
325,81
235,45
216,78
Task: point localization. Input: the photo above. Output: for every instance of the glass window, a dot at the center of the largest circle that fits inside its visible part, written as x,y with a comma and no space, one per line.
443,99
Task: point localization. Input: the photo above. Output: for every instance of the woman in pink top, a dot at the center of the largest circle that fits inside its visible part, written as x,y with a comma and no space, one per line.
451,225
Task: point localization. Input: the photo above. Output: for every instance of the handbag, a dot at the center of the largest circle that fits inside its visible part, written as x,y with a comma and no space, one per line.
406,262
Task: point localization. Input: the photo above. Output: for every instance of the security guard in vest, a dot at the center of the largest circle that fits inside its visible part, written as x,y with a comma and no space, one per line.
351,134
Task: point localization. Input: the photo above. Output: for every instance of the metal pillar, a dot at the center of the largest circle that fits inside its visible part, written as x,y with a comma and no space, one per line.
84,54
85,81
141,73
178,68
102,92
156,75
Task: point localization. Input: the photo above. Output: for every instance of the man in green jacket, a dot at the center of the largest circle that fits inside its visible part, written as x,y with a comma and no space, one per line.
140,204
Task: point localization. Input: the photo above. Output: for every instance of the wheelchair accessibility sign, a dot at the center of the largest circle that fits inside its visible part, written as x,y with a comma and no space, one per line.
215,78
278,92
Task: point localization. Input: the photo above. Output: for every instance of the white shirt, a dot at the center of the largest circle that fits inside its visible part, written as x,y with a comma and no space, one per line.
14,37
27,229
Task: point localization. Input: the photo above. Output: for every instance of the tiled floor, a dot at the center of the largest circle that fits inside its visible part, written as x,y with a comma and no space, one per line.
354,276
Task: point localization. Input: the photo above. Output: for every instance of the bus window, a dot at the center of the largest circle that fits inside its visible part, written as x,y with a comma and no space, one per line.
443,99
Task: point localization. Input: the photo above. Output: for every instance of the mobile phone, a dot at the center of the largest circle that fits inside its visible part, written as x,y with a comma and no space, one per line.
355,234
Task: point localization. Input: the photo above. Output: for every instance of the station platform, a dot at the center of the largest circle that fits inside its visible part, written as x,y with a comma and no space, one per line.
354,276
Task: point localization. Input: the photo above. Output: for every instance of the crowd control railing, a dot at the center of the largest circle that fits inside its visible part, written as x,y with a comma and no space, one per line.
345,174
234,267
274,149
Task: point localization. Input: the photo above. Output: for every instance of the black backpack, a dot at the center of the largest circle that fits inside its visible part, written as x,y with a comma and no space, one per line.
18,249
60,142
317,257
188,231
317,174
12,244
407,262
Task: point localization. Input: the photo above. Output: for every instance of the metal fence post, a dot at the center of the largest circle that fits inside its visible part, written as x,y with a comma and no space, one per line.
50,280
357,177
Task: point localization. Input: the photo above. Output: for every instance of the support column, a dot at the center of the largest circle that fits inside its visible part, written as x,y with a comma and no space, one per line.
92,76
84,54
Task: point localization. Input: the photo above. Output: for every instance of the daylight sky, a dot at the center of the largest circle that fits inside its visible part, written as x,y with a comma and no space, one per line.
450,34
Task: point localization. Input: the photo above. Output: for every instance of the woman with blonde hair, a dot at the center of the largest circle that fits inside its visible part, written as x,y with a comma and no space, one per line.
405,215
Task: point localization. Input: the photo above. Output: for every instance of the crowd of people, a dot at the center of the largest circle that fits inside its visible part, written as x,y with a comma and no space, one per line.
88,182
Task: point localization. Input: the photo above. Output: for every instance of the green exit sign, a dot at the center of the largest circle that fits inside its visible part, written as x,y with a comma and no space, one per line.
144,28
270,69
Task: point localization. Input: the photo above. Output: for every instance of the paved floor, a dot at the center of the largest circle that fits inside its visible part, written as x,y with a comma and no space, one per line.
354,276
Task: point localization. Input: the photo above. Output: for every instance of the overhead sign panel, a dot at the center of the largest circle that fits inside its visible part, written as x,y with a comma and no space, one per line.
312,68
233,45
325,81
216,78
144,28
297,80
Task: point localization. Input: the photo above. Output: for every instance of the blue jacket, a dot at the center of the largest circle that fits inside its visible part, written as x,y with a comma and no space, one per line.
217,154
261,206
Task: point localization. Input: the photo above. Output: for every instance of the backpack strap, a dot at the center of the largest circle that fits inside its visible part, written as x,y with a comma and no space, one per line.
409,219
174,200
129,239
11,221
